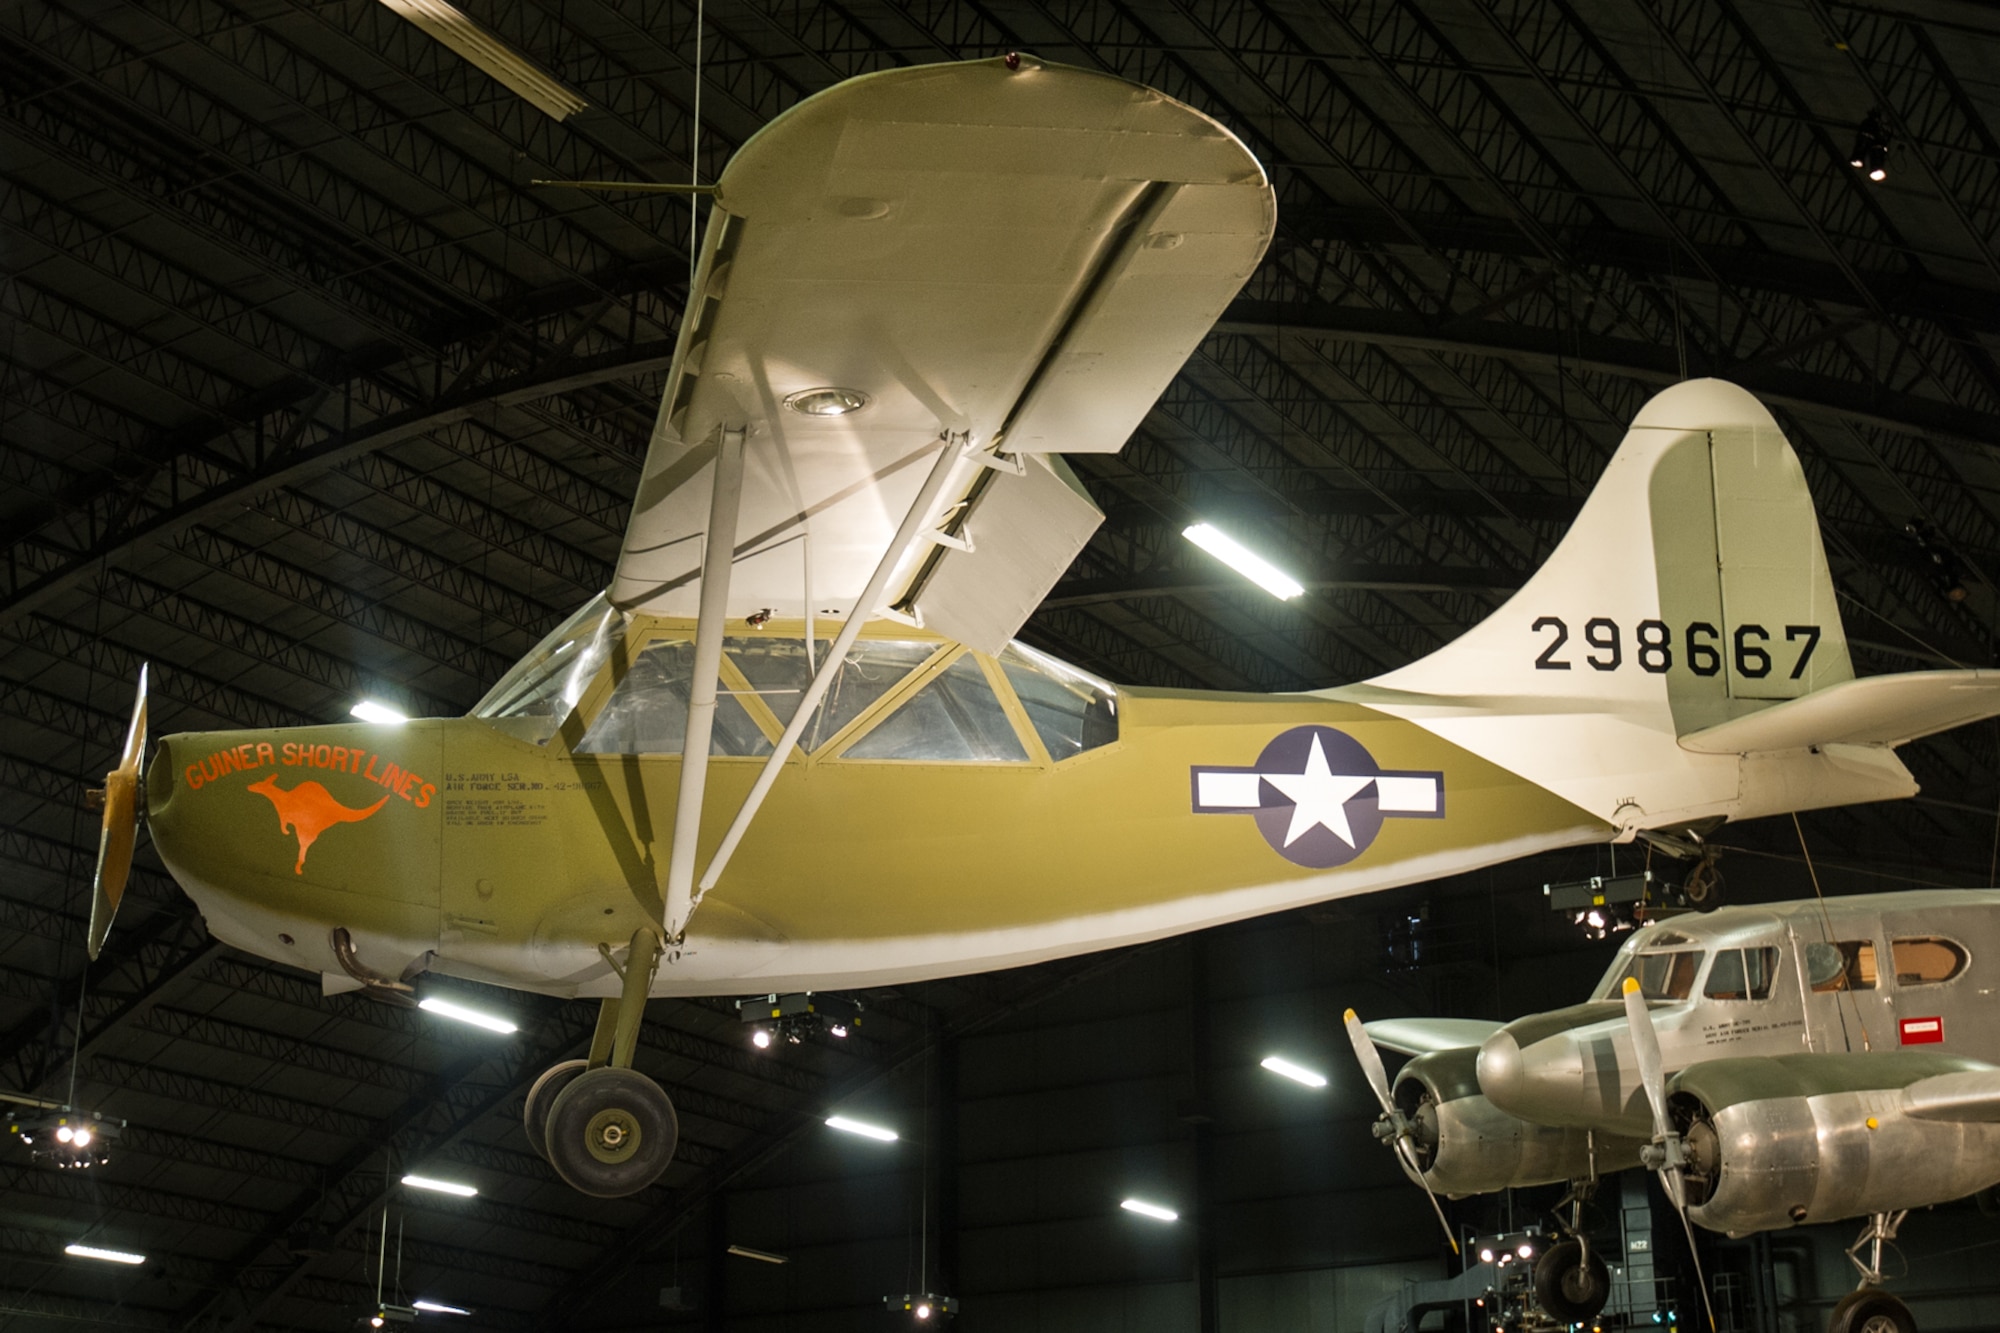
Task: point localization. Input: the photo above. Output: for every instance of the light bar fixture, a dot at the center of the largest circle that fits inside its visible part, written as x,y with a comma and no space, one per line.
438,1307
110,1256
489,53
370,711
1279,1065
1244,560
447,1009
441,1186
1152,1210
861,1127
761,1256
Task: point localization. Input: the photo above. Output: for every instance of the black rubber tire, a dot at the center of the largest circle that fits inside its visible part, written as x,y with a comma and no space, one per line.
542,1096
1569,1291
1871,1310
612,1132
1703,887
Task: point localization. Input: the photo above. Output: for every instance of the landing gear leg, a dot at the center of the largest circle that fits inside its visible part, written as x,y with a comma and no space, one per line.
607,1129
1572,1283
1870,1309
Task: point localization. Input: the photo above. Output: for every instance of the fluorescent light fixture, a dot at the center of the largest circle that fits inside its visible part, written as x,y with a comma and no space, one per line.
441,1186
112,1256
438,1307
464,1015
1244,561
370,711
1277,1064
489,53
761,1256
861,1127
1152,1210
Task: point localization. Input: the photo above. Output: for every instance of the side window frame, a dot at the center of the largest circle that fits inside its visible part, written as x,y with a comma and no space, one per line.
1962,954
613,673
834,750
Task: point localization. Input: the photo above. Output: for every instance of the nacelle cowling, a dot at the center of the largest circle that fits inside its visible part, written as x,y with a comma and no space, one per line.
1467,1145
1787,1140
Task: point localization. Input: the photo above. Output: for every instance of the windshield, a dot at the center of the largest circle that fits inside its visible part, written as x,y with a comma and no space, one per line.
1661,976
532,700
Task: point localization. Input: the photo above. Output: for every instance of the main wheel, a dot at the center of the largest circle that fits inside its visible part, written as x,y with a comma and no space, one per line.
542,1096
1871,1310
1703,886
611,1132
1570,1288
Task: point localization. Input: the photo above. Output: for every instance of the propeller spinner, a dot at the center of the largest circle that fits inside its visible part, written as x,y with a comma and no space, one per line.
1395,1126
119,800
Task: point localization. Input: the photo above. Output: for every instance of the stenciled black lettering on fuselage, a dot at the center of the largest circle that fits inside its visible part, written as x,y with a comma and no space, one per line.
1702,645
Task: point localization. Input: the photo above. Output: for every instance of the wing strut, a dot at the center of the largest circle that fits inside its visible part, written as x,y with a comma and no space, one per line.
718,556
953,447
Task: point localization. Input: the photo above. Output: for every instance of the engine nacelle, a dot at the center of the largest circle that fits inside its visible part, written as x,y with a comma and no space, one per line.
1467,1145
1768,1147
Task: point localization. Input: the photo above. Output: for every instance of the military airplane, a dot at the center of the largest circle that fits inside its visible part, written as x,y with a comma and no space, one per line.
1777,1065
795,745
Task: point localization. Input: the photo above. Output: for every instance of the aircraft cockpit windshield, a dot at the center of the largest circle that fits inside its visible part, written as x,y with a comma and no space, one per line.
1664,963
533,698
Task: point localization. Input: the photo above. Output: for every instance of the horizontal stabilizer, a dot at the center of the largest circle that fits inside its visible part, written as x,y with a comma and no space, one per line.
1422,1036
1972,1096
1870,710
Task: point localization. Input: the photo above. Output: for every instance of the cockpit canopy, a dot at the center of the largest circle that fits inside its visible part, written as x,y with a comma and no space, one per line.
606,682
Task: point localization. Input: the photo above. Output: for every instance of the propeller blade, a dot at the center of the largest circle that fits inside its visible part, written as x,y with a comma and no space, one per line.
1371,1062
1646,1049
120,828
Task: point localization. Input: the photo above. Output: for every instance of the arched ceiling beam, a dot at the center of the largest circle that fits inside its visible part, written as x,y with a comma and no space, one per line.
1545,348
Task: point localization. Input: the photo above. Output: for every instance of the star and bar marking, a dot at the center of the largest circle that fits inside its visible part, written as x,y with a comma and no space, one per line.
1318,796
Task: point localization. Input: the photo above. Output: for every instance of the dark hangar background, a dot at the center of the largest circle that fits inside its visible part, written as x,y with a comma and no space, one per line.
309,395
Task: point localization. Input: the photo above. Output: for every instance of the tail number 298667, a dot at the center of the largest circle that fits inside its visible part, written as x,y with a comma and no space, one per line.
1751,647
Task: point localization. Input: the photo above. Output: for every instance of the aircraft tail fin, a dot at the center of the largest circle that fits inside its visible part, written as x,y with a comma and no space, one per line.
1693,580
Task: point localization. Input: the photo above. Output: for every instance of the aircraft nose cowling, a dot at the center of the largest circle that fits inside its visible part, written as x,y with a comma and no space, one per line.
1499,1069
1543,1067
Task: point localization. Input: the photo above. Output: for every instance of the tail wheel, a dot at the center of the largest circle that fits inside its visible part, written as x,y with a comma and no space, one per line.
542,1096
1571,1286
1871,1310
611,1132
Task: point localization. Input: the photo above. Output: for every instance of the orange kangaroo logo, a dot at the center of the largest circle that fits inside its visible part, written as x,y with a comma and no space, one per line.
309,810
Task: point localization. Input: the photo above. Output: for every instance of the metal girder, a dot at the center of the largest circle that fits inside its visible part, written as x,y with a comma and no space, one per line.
1642,361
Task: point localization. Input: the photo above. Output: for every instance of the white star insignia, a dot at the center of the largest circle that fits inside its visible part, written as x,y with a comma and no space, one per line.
1319,797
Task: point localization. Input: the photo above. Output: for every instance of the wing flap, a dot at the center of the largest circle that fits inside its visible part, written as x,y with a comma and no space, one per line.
1869,710
1424,1036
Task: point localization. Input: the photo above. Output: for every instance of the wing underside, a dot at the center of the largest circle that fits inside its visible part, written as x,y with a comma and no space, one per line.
1022,257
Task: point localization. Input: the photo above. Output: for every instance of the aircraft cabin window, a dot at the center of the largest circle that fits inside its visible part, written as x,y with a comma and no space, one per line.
1926,961
1742,974
647,712
954,717
532,699
1845,965
776,669
1070,712
1661,976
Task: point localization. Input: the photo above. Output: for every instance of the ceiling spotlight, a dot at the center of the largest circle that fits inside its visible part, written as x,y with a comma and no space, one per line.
1244,561
447,1009
109,1256
1277,1064
1152,1210
1525,1251
441,1186
1870,154
861,1127
370,711
1486,1256
826,402
761,1039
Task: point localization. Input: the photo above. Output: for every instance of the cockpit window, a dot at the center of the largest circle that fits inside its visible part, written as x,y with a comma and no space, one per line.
1661,976
1926,961
1844,965
647,712
1742,974
777,669
955,717
532,700
1071,711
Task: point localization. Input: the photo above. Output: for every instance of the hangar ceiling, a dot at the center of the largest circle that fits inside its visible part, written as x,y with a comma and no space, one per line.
310,394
